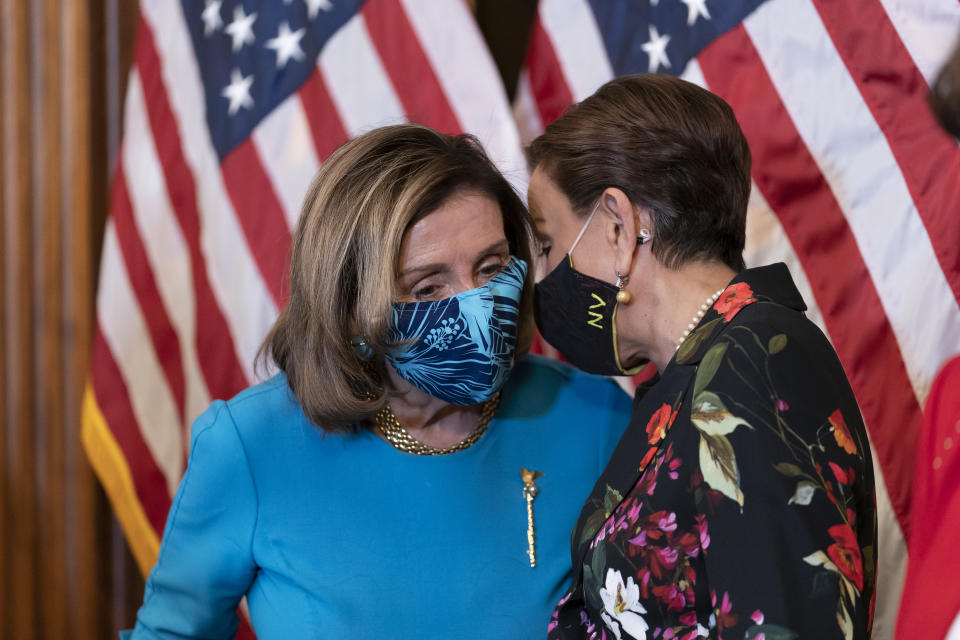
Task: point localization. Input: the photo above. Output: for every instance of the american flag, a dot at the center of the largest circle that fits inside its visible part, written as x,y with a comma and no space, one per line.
231,108
855,187
233,105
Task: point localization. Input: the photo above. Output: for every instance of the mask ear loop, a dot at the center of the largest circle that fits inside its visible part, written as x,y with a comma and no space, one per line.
583,230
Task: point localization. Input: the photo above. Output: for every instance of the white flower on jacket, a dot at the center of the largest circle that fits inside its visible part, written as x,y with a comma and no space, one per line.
622,608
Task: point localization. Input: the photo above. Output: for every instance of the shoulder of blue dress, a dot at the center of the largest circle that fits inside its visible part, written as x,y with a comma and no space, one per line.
268,395
537,365
264,406
541,385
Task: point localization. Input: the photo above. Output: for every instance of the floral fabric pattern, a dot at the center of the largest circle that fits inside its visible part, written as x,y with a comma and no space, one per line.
751,513
734,298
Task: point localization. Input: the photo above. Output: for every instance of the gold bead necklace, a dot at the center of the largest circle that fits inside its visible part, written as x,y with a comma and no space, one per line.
394,433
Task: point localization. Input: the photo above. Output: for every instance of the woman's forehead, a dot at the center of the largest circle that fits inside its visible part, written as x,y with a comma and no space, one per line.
465,224
544,196
549,206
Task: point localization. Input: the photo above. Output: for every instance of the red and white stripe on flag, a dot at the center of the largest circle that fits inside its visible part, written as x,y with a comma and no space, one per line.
855,188
189,283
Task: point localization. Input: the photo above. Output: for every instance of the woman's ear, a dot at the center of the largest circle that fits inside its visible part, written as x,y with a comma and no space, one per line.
623,222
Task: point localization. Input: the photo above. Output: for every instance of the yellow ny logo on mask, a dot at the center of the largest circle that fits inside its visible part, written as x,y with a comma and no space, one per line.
595,316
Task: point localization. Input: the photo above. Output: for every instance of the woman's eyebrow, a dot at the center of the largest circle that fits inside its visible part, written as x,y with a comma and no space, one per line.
441,267
538,219
496,247
499,244
436,267
538,234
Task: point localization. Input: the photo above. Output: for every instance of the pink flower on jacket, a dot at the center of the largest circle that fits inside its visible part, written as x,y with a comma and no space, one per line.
657,560
674,466
666,520
700,526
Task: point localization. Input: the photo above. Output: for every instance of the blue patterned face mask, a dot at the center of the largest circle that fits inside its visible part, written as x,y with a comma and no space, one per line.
460,349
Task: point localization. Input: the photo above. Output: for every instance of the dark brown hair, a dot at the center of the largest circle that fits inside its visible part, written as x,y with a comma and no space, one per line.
345,257
672,148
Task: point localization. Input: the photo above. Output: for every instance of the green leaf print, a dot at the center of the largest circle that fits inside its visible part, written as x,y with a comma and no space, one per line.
708,367
770,632
777,343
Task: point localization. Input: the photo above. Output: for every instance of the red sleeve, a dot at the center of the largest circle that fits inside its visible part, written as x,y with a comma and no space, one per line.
927,608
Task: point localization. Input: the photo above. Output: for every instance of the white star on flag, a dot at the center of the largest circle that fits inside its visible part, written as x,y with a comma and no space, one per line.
238,91
696,8
656,48
314,7
211,17
241,29
287,44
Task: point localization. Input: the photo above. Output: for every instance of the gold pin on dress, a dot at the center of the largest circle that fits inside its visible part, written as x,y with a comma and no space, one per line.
530,492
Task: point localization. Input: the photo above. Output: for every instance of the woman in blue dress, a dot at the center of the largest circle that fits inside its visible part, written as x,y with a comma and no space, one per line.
409,471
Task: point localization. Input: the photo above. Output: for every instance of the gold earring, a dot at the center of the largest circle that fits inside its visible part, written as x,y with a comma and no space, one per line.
623,296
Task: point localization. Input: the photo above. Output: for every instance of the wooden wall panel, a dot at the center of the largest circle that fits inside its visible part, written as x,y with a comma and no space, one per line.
65,571
48,208
4,511
83,570
20,500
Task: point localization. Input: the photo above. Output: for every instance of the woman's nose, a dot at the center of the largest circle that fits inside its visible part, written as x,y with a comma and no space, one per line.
466,281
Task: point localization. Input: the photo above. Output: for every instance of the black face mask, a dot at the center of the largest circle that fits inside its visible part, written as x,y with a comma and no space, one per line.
576,315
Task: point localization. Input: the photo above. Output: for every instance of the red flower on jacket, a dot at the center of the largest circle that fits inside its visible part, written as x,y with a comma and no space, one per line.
654,527
734,298
647,457
845,553
841,433
659,422
726,619
673,596
842,476
686,542
659,561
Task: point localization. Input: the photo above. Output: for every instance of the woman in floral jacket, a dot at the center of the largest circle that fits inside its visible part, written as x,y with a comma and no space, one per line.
740,501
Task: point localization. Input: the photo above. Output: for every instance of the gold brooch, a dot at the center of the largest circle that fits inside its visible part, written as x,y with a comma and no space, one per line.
530,492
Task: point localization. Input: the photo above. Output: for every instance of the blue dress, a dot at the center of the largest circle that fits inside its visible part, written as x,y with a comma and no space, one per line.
336,536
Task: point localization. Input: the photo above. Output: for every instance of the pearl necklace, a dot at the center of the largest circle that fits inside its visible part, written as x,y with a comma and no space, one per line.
696,319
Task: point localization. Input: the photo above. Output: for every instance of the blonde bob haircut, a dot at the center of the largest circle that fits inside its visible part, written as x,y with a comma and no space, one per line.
345,259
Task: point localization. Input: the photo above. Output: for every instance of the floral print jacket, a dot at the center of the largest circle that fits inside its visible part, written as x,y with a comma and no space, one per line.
739,504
